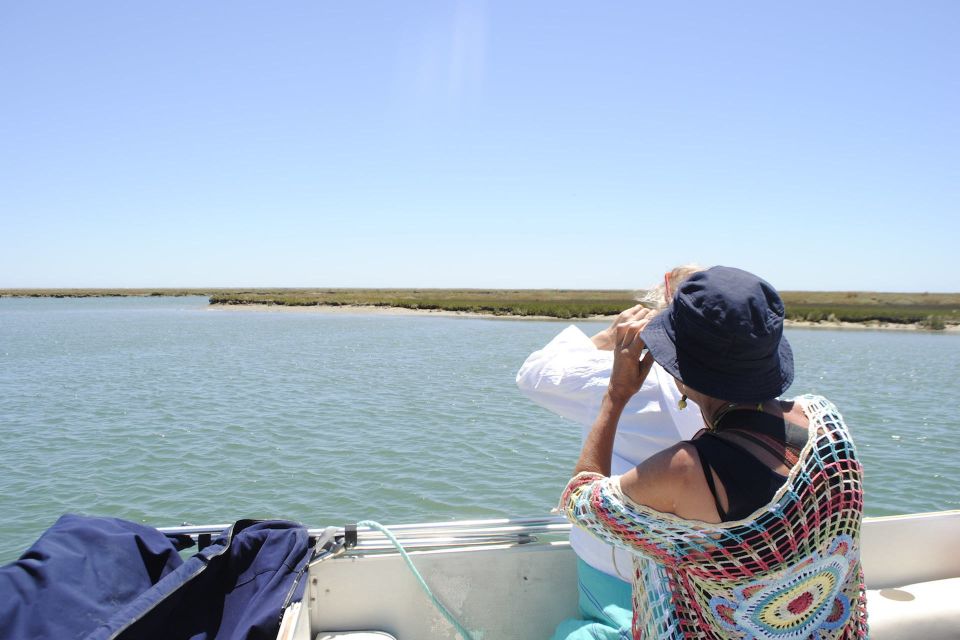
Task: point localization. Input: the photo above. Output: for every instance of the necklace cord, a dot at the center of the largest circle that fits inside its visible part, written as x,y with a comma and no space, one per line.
714,423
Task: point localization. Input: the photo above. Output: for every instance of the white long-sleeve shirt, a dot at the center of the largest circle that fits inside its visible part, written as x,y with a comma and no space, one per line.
569,377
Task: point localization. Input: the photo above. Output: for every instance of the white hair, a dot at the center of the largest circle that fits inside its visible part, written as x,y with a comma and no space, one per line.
656,296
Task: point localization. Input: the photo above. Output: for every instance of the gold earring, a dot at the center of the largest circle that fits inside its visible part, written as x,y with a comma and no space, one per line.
683,402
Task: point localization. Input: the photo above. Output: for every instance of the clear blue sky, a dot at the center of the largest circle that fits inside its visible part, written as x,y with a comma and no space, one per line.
478,144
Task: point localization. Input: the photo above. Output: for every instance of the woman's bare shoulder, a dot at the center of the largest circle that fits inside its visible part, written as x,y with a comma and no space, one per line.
671,481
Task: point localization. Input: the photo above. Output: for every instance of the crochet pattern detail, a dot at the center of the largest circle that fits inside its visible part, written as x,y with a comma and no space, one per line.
790,570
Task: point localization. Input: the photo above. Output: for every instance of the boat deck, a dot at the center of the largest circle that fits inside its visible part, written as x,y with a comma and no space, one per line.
506,579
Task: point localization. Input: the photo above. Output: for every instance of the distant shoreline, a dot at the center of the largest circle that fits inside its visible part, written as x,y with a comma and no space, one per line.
440,313
869,326
380,310
808,309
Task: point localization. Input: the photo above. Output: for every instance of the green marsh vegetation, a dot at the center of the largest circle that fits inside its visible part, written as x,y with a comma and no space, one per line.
501,302
106,293
928,310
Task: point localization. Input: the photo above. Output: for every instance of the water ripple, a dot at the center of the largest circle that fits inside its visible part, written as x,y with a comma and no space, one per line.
162,411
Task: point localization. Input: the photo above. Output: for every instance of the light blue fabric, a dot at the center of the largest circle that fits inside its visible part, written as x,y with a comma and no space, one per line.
606,608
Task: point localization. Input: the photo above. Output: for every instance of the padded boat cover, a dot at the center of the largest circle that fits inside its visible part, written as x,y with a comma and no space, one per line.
98,578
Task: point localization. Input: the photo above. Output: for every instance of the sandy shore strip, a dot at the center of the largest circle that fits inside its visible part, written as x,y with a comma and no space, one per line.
441,313
871,325
378,310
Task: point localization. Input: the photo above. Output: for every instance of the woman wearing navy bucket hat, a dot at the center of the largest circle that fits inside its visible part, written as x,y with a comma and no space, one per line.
752,528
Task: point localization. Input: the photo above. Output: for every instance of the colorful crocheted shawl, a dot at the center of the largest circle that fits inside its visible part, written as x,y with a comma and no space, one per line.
789,571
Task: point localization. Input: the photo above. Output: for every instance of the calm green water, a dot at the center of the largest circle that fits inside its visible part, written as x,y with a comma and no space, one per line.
160,410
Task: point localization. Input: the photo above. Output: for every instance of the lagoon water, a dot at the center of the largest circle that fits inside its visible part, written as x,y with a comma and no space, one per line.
161,410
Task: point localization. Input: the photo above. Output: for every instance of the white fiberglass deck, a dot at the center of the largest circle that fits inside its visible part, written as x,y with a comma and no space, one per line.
509,590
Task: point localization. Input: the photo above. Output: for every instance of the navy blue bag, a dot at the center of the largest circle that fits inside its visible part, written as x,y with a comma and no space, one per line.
99,578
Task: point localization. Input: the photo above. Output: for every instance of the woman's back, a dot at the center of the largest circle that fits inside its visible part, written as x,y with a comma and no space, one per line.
788,570
745,459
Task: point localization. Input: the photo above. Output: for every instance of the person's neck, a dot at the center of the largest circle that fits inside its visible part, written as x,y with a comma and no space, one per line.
709,407
715,409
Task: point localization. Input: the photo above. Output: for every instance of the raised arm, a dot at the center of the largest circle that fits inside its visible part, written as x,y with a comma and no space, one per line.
568,376
606,339
627,376
640,509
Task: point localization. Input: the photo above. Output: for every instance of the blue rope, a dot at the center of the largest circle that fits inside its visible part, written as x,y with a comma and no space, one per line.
423,585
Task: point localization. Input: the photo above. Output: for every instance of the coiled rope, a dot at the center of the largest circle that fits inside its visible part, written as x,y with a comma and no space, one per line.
370,524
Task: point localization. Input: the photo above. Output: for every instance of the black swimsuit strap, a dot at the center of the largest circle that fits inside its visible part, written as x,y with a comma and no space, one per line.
747,481
793,435
708,474
760,442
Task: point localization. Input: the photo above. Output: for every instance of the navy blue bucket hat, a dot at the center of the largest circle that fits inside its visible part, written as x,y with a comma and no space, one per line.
723,336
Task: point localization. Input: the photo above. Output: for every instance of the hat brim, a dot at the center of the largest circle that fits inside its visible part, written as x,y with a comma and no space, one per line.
772,378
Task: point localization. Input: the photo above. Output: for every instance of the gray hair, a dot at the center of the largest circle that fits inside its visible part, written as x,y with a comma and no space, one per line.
656,296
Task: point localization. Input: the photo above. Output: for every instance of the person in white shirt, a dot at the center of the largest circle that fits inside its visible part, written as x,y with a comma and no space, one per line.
569,377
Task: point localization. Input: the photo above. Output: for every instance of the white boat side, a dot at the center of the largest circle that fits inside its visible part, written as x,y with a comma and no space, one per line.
503,589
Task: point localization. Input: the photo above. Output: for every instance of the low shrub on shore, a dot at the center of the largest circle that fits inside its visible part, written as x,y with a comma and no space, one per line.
933,311
570,304
929,317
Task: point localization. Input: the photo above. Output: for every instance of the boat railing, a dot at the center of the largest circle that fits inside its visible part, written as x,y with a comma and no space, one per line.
420,536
